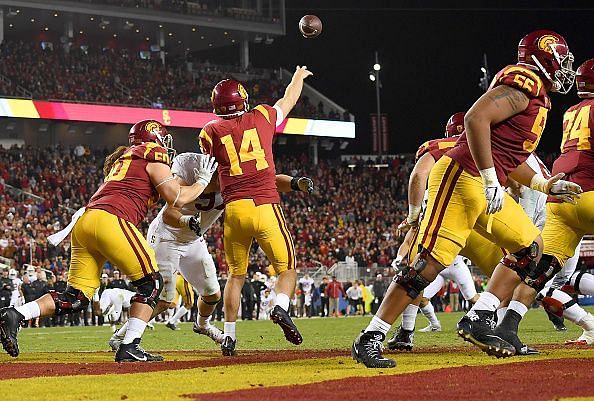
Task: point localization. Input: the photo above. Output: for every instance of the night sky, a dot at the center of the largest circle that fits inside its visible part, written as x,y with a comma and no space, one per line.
430,57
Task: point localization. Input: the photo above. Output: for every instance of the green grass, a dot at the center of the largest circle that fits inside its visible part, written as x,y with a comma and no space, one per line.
318,333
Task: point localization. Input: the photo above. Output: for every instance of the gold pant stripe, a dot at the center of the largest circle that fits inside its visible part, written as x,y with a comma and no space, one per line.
285,236
284,220
139,243
127,234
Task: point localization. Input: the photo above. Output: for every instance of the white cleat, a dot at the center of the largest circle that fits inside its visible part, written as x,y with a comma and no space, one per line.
587,337
430,328
212,332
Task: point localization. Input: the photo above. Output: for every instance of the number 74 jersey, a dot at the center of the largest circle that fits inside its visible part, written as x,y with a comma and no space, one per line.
577,151
243,148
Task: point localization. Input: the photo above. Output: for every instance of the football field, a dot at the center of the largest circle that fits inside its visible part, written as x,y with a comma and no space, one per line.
73,363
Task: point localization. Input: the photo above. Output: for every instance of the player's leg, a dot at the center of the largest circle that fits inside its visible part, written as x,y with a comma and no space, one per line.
403,338
460,273
125,247
239,228
274,238
455,201
198,268
426,306
83,279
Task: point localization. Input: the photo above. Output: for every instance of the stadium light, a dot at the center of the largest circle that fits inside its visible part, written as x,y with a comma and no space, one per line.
483,70
377,67
372,77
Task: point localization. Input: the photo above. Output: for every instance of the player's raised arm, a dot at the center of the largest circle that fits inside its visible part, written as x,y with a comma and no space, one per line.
417,184
293,91
286,183
495,106
171,190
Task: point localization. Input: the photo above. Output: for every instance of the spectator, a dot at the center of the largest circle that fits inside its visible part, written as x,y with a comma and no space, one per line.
334,291
222,284
5,289
379,291
118,281
324,311
454,292
355,296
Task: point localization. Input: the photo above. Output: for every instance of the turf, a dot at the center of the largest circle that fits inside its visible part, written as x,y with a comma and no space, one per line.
318,333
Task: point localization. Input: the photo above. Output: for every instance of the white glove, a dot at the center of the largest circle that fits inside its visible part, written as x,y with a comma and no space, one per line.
494,192
412,220
208,165
397,264
565,191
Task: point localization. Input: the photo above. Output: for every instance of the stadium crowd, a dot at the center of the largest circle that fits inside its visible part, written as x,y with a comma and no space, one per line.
112,76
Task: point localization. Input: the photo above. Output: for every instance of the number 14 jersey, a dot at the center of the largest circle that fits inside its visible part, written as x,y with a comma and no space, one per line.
243,148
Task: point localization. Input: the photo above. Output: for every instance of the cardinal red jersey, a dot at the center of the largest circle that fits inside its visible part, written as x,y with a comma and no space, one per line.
512,140
127,191
437,147
577,147
243,148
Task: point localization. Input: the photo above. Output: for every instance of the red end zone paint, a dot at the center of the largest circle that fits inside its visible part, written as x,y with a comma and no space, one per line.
534,381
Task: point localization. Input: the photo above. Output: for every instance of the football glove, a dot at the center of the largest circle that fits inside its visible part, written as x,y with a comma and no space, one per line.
302,184
412,220
192,222
494,192
565,191
206,168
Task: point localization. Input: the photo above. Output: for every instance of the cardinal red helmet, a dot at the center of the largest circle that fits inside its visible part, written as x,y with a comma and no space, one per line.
584,79
151,131
547,52
229,99
455,124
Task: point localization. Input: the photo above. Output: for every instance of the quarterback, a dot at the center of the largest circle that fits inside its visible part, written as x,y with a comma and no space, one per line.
106,230
242,144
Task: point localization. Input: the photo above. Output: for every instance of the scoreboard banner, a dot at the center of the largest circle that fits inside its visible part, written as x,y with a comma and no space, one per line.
39,109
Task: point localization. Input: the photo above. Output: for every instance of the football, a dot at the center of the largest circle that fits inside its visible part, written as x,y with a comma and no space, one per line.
310,26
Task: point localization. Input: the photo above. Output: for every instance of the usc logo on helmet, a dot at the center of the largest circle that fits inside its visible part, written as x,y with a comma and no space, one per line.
242,91
545,42
153,127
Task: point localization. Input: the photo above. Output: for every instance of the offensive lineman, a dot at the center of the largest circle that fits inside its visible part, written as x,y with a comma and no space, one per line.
106,230
242,144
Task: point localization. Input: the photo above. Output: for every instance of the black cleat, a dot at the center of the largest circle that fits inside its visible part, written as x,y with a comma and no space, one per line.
10,323
281,317
513,339
133,352
477,327
368,348
171,326
228,346
402,340
560,327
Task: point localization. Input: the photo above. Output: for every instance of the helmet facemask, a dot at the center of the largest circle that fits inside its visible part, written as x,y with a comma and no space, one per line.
564,75
167,142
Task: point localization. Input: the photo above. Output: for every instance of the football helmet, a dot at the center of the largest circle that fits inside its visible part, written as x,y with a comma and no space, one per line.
455,125
229,99
151,131
547,52
584,79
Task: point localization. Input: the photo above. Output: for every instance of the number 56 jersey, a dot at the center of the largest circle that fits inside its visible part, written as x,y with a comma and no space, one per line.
243,148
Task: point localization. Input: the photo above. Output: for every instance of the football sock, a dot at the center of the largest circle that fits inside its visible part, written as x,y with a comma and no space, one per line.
30,310
378,324
229,330
283,301
409,316
501,314
135,330
181,311
519,307
574,313
486,301
122,330
511,320
586,284
429,312
587,322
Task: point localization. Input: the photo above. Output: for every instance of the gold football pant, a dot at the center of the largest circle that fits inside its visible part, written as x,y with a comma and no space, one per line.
99,236
565,226
457,206
245,222
185,290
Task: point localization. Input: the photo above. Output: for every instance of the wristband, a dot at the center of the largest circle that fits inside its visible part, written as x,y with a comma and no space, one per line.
184,221
539,183
489,176
295,184
413,212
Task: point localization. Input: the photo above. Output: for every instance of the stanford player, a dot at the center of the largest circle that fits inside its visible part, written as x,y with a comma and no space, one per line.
106,230
242,144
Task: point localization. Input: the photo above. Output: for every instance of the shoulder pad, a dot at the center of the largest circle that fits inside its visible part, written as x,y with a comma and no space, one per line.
520,78
151,152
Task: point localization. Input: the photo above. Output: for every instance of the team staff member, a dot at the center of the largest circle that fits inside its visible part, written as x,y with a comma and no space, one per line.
106,230
242,144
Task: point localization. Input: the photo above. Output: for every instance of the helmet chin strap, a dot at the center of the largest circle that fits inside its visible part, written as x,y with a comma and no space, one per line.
556,84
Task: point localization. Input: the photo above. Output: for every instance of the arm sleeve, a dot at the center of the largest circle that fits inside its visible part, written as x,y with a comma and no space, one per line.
279,115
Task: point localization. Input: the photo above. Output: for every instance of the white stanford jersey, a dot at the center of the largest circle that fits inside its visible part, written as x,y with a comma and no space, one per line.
210,205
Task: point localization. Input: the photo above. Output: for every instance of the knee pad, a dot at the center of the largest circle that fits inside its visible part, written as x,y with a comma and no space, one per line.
69,301
536,275
148,289
524,260
553,305
410,278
